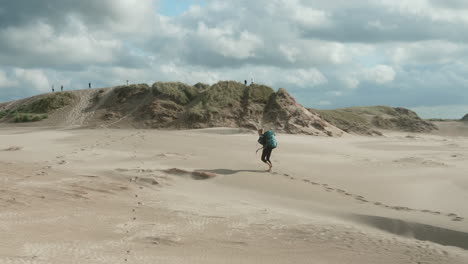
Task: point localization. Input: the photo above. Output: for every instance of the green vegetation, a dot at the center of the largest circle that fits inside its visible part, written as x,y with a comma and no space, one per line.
47,104
28,117
201,86
347,121
37,109
177,92
371,110
361,119
133,91
341,115
222,94
259,93
4,113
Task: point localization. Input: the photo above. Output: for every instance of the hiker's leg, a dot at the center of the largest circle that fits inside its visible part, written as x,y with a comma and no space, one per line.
264,155
268,154
268,161
264,158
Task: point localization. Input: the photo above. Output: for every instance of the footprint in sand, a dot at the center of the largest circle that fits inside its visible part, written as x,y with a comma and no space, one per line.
401,208
361,200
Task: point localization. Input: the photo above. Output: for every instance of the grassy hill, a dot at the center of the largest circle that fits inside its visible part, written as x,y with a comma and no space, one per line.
171,106
225,104
368,120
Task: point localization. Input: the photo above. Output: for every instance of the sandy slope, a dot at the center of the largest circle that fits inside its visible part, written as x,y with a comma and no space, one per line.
107,196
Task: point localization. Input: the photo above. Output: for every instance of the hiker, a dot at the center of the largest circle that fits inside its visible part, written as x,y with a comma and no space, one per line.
268,142
61,88
53,90
89,85
245,82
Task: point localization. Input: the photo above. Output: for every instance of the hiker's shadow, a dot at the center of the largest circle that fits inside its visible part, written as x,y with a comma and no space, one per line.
230,172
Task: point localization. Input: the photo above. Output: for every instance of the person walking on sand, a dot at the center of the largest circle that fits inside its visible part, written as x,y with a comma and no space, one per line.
268,142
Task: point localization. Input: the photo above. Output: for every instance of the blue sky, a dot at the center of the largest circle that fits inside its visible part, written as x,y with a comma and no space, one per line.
326,53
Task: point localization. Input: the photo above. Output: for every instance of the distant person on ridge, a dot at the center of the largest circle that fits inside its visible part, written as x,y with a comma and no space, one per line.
268,142
89,85
245,82
61,88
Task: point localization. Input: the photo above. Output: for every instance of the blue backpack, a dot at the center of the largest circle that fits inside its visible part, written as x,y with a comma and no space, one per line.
268,139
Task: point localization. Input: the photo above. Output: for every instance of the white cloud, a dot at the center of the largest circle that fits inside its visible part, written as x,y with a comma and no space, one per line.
34,78
378,24
379,74
291,53
306,77
5,81
341,49
305,15
427,52
349,81
131,16
430,9
41,45
224,41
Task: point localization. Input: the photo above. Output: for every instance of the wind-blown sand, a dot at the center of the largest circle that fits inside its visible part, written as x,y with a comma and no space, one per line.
144,196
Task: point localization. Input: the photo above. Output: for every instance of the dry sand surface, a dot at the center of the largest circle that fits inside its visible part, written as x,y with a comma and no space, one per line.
145,196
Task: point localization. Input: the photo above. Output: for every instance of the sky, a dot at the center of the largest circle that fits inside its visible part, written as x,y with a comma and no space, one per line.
326,53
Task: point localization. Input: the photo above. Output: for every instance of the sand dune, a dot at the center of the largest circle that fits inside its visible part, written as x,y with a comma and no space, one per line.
145,196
